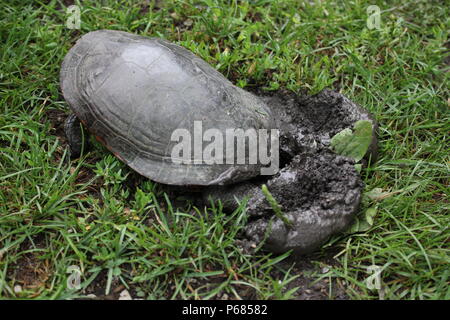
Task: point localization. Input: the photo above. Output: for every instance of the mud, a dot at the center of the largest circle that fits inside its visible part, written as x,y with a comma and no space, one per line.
307,121
318,191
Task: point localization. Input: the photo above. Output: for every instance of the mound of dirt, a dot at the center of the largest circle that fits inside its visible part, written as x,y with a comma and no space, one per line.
318,191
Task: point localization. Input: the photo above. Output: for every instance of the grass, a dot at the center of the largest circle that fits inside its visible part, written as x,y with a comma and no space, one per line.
123,231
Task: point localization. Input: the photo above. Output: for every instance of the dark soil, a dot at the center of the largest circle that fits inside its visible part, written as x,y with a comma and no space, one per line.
31,271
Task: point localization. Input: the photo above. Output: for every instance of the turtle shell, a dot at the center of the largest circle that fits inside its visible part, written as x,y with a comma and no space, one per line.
133,92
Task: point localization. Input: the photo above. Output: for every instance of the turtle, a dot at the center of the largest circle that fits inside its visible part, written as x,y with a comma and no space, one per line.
133,92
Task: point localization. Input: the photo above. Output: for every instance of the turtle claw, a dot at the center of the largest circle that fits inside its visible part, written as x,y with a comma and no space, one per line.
75,136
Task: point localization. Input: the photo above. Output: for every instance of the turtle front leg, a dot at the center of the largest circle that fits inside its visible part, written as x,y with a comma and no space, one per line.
76,137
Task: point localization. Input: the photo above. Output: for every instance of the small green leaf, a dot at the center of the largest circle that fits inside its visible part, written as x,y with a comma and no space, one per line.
353,144
359,226
374,194
116,271
51,45
364,222
370,214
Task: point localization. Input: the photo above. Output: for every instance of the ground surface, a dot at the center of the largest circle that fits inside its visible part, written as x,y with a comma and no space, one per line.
126,233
